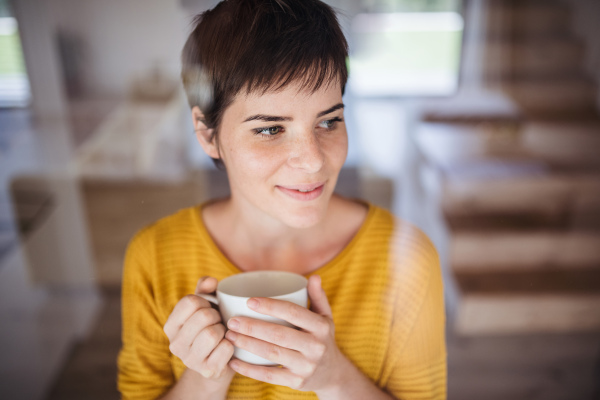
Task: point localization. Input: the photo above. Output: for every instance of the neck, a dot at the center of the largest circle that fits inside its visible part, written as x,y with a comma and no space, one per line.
265,233
254,240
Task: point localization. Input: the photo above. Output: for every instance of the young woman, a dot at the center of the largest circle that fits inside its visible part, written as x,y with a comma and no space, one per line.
265,80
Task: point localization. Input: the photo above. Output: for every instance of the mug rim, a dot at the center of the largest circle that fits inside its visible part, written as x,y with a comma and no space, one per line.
238,276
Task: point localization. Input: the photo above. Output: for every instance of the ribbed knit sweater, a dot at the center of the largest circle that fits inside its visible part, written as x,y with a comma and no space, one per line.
384,287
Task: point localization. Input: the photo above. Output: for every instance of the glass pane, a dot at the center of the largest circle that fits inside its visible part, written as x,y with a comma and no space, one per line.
406,48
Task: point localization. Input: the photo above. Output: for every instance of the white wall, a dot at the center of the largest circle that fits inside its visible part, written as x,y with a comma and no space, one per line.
123,39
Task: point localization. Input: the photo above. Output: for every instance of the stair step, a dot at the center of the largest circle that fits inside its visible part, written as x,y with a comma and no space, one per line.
499,314
510,250
467,181
538,168
521,302
545,197
542,57
548,300
568,96
498,222
531,18
448,143
542,193
563,141
547,281
521,281
560,142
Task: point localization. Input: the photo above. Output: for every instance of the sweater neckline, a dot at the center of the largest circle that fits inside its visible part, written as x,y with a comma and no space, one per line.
203,232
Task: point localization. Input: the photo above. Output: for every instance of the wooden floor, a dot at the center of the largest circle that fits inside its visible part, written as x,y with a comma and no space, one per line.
91,370
532,367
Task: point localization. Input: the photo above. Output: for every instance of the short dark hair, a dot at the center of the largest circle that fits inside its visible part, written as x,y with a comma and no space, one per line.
260,45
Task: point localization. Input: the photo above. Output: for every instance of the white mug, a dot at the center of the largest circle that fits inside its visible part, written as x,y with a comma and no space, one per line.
233,292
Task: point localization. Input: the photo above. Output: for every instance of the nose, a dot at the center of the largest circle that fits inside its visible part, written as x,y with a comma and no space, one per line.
306,152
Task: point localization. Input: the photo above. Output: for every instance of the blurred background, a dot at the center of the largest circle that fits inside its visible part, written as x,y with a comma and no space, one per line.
478,120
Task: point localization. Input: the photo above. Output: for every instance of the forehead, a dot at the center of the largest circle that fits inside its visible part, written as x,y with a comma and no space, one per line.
290,99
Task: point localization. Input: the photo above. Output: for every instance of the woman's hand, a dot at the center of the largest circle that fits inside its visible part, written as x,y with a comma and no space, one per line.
310,356
196,335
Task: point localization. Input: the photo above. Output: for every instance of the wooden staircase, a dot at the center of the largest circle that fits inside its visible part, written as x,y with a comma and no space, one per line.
519,196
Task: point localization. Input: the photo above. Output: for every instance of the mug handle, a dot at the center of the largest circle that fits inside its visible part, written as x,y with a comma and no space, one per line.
209,297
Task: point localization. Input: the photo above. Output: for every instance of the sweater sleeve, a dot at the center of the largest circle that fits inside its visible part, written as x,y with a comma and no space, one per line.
419,370
144,360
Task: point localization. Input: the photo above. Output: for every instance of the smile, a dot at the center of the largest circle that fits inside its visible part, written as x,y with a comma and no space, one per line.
303,192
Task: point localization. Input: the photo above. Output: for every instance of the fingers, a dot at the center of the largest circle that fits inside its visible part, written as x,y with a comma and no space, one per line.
290,312
291,359
196,334
193,328
206,284
279,335
183,310
274,375
202,346
217,362
318,298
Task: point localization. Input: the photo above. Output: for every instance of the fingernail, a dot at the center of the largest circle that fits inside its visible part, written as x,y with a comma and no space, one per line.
234,364
231,336
233,324
253,304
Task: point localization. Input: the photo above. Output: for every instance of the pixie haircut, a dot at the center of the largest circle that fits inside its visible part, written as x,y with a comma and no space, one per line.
260,46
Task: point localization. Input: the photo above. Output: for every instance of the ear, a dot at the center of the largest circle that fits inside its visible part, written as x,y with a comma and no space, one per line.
204,134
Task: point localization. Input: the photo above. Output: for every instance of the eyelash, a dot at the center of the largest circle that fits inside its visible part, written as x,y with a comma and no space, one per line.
332,121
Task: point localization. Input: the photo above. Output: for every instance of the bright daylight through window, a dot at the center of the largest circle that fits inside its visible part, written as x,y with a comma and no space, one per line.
406,48
14,85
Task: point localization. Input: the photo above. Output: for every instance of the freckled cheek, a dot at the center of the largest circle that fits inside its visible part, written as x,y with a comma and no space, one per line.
253,165
336,150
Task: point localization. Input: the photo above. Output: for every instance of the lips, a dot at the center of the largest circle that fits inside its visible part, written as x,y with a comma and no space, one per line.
304,187
304,192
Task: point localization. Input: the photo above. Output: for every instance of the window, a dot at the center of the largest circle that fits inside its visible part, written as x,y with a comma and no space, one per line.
14,85
406,48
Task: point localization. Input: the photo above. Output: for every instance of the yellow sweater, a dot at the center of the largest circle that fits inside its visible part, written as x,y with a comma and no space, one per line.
385,290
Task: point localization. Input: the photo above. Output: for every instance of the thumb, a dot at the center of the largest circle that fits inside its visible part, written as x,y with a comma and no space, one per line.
206,284
318,299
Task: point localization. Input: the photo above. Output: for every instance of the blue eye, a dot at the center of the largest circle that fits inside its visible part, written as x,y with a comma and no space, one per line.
329,123
270,131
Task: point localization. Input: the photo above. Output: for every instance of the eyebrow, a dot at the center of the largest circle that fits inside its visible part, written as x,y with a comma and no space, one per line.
274,118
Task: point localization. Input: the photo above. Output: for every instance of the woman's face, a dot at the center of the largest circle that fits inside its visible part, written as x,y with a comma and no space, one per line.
283,152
